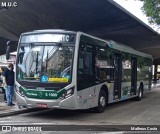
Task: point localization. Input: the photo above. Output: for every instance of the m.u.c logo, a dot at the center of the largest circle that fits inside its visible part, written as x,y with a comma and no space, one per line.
9,4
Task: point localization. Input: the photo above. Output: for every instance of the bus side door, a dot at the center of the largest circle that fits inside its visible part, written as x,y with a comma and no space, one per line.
117,76
133,75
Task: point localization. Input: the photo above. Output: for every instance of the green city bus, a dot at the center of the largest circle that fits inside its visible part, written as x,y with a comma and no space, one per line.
73,70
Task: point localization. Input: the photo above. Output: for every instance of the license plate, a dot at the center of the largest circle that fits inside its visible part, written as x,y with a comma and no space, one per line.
42,105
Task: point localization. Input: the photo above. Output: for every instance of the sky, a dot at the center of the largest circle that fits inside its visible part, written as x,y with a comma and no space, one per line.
134,7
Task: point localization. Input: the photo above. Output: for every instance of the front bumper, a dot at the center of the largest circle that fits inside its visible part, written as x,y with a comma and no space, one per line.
68,103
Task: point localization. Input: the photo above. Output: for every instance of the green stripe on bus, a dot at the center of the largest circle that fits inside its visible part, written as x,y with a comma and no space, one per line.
42,94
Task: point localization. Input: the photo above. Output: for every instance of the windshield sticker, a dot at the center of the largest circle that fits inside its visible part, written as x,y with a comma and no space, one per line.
44,78
58,79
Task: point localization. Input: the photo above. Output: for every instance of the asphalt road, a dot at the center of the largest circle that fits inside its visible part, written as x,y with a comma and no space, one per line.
144,112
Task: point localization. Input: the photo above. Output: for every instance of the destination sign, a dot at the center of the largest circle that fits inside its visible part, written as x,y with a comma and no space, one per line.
48,38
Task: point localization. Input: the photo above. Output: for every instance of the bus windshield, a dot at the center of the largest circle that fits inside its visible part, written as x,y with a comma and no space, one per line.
45,63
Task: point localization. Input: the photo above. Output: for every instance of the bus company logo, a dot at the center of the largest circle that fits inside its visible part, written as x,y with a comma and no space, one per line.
9,4
40,94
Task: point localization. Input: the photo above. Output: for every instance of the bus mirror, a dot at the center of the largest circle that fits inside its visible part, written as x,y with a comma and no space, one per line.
21,57
9,43
7,52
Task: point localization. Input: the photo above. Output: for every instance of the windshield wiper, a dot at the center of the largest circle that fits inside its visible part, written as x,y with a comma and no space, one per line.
37,63
47,61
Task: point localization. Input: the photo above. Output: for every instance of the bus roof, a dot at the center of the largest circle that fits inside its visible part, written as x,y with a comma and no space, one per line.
128,49
45,31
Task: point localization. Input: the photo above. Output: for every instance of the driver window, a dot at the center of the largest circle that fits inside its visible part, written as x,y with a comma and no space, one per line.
86,65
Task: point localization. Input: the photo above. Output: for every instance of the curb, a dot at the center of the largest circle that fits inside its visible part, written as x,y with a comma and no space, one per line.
19,111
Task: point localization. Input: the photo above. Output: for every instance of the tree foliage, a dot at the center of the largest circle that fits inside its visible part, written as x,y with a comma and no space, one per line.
152,10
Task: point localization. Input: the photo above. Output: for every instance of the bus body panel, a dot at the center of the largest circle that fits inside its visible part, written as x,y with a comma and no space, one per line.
89,96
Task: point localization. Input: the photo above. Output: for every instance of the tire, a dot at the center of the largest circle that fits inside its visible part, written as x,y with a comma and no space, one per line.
140,93
102,102
21,107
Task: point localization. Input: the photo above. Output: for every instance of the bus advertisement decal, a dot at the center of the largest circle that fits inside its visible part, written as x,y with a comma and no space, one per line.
39,94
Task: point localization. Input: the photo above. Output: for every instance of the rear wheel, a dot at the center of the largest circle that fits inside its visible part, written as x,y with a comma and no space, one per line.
102,102
140,93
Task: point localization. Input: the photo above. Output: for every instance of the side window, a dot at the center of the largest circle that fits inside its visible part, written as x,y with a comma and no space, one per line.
111,57
81,61
104,67
126,70
86,66
144,70
86,60
88,63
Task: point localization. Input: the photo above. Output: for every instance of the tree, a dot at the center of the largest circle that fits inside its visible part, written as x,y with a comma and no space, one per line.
152,10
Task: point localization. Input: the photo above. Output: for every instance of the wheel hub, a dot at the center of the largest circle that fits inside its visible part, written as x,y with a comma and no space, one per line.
103,101
140,93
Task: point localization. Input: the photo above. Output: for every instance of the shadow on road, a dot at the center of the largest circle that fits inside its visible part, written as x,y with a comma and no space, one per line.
73,114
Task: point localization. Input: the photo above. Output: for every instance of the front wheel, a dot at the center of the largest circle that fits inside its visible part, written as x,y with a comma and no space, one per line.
22,107
102,102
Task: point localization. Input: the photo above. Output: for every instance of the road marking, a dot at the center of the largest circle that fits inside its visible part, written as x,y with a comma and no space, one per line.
12,121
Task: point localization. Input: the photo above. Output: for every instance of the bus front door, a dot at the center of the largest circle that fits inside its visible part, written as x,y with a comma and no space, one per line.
117,76
133,75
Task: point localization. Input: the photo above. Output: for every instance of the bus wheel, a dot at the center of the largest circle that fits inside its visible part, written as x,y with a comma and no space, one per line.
21,107
140,93
102,99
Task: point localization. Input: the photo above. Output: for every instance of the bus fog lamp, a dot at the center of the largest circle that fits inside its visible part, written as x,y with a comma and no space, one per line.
62,96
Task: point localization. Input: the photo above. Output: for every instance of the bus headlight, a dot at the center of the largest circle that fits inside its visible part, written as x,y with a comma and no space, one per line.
20,91
16,89
67,93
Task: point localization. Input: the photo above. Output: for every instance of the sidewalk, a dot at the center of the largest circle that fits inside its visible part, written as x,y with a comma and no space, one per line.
9,110
13,110
6,110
